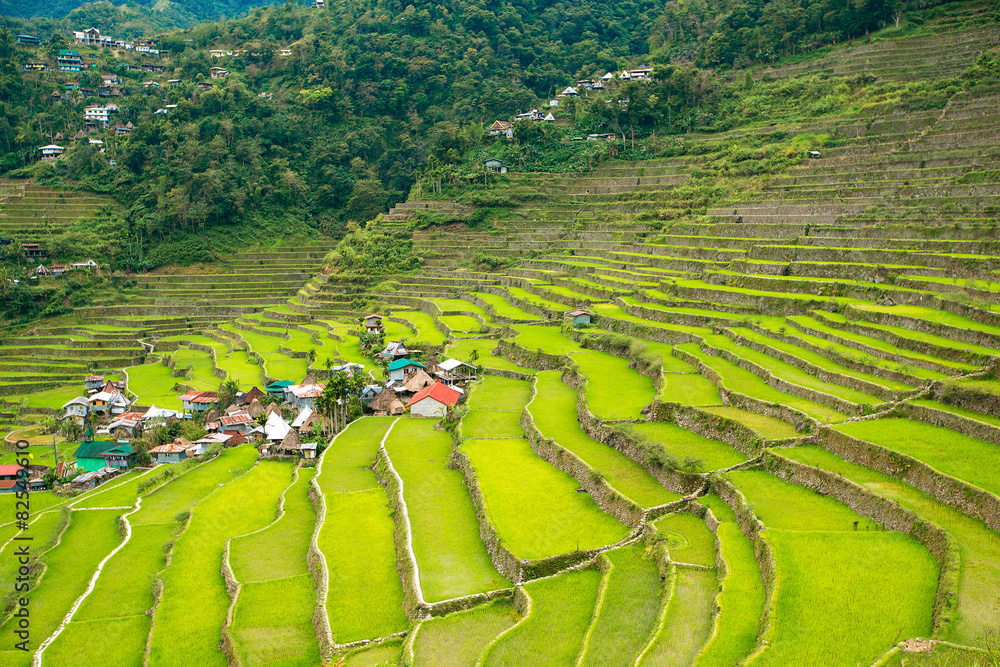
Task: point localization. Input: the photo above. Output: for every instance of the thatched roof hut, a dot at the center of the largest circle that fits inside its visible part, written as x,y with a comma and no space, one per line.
289,445
256,409
273,409
387,403
418,381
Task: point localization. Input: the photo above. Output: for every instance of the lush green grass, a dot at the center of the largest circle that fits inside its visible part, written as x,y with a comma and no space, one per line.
90,537
687,539
671,364
614,391
365,598
193,580
504,309
689,389
978,610
54,398
164,504
199,369
114,641
285,639
629,611
554,413
461,323
944,317
276,364
968,459
483,347
452,560
745,382
741,600
502,394
346,464
154,384
534,506
845,590
845,598
381,655
977,416
447,305
682,444
357,505
687,623
766,427
536,300
486,424
549,340
813,325
552,634
41,454
43,530
819,360
280,550
789,373
119,495
424,324
458,639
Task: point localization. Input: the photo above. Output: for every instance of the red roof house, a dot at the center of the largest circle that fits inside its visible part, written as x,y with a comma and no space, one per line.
433,401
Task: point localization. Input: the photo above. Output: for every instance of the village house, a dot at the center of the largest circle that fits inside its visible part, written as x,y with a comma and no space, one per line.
33,250
496,166
225,439
70,61
581,318
569,91
42,271
533,115
400,369
57,270
76,409
199,401
244,399
304,395
395,350
9,476
218,72
90,454
172,452
453,371
276,428
93,382
549,118
502,127
433,401
127,425
29,40
369,393
387,403
120,456
239,422
204,85
93,479
51,151
95,114
35,67
277,389
373,322
309,450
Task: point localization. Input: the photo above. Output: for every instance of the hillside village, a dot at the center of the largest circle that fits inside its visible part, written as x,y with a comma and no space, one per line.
700,397
285,419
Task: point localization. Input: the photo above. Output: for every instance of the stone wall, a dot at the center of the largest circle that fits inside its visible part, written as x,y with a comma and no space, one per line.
890,515
609,499
965,425
413,602
966,498
711,426
536,359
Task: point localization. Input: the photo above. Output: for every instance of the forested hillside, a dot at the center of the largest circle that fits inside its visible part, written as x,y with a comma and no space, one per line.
370,94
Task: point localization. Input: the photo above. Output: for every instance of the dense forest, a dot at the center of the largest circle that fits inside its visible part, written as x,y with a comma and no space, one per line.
371,93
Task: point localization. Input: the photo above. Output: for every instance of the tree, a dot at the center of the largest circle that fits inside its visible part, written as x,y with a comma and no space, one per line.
227,392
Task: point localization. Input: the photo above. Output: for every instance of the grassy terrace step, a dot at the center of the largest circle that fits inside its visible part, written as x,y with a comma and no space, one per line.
554,412
967,459
740,604
521,506
923,318
452,560
627,613
457,640
365,598
684,448
742,381
878,585
912,361
978,610
553,632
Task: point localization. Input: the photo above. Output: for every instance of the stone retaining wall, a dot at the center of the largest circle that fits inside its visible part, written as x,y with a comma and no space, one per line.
965,425
522,356
412,599
964,497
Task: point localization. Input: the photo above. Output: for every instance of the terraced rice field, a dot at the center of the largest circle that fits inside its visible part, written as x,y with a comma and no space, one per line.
775,443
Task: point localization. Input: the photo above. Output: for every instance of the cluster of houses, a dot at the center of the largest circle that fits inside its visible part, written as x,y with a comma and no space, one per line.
59,270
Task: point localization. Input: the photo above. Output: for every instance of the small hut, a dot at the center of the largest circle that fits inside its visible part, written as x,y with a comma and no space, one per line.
418,381
386,403
289,446
272,409
432,365
256,409
211,416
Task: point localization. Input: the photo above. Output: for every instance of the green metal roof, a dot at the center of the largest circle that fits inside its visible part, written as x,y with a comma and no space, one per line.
403,363
280,384
91,450
120,449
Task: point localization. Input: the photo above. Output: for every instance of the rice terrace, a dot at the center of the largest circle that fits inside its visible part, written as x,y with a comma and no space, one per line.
638,397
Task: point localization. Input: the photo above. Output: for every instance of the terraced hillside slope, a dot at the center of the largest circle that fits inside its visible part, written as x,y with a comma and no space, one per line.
775,442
